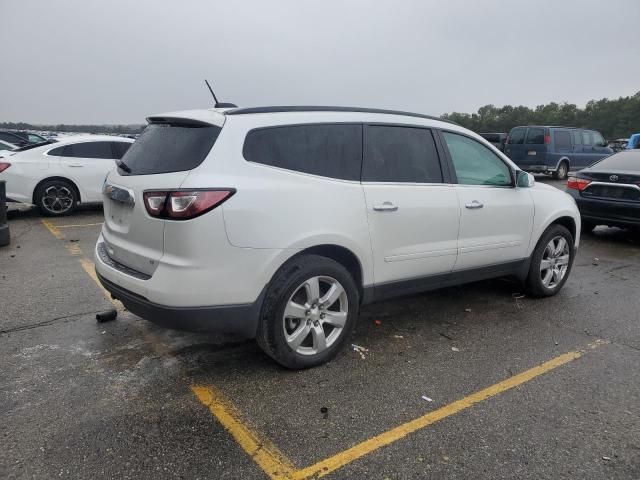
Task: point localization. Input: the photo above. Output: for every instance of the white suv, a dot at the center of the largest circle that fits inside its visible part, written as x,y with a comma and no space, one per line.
278,223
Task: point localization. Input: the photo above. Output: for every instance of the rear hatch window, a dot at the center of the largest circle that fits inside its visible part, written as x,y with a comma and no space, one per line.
535,136
165,148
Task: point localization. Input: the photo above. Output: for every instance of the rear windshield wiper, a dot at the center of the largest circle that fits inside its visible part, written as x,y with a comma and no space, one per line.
123,166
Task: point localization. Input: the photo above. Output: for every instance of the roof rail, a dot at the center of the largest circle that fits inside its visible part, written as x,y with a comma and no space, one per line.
305,108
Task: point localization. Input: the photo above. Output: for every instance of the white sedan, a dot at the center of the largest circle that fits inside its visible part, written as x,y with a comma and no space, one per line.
56,177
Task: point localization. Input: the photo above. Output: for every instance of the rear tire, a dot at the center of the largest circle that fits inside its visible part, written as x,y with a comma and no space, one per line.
551,262
562,172
306,302
55,198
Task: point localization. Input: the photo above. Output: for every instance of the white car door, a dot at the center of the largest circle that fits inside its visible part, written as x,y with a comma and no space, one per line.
496,218
87,163
413,214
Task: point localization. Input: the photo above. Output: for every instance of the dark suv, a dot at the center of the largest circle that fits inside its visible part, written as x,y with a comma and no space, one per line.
555,150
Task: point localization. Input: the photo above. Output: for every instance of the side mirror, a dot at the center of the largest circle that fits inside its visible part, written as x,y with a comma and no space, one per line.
524,179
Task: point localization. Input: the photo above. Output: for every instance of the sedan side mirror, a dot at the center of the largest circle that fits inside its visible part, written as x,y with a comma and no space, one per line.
524,179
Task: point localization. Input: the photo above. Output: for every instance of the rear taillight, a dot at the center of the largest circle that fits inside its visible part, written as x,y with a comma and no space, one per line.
4,166
547,139
184,204
578,183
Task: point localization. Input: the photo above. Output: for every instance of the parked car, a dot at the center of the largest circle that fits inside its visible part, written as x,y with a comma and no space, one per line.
555,150
278,223
634,142
57,176
21,139
496,139
608,192
618,144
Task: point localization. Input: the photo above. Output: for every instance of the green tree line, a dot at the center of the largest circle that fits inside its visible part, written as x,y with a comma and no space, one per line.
74,128
617,118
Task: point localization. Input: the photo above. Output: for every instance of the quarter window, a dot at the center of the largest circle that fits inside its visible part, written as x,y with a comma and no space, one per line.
400,154
474,163
119,149
56,152
327,150
88,150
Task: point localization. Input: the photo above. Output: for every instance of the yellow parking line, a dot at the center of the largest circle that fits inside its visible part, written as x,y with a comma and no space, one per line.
331,464
278,467
263,452
78,225
53,229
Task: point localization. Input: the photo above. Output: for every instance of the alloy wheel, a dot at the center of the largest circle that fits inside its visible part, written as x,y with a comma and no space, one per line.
315,315
555,262
57,199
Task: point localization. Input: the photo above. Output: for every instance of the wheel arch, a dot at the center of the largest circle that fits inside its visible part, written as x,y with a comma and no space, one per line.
564,159
56,177
568,222
344,256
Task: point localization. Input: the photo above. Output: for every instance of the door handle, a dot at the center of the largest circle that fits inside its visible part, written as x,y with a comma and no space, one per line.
385,207
76,165
474,204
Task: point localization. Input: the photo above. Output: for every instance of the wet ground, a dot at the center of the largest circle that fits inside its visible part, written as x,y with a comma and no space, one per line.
559,380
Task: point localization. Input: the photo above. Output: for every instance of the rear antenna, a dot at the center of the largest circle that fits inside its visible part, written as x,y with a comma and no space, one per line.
218,104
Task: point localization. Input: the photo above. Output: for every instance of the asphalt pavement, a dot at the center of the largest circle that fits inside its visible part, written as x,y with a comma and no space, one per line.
476,381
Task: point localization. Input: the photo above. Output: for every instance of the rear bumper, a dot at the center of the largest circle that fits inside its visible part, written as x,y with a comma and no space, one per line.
237,319
608,212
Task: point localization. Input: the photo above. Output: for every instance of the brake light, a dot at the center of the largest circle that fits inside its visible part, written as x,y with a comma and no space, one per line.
184,204
578,183
547,139
4,166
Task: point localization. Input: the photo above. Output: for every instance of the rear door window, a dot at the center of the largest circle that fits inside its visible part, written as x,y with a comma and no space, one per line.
88,150
400,155
535,136
165,148
474,163
516,137
327,150
562,139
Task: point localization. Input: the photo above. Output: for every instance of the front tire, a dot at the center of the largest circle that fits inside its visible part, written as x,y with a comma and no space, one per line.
562,172
309,312
56,198
551,262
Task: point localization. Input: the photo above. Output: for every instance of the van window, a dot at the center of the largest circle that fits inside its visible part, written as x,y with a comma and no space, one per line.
563,139
516,137
586,138
165,148
400,154
577,137
474,163
535,136
598,140
328,150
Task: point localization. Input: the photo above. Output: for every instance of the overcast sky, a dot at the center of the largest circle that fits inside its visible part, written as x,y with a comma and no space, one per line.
117,61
